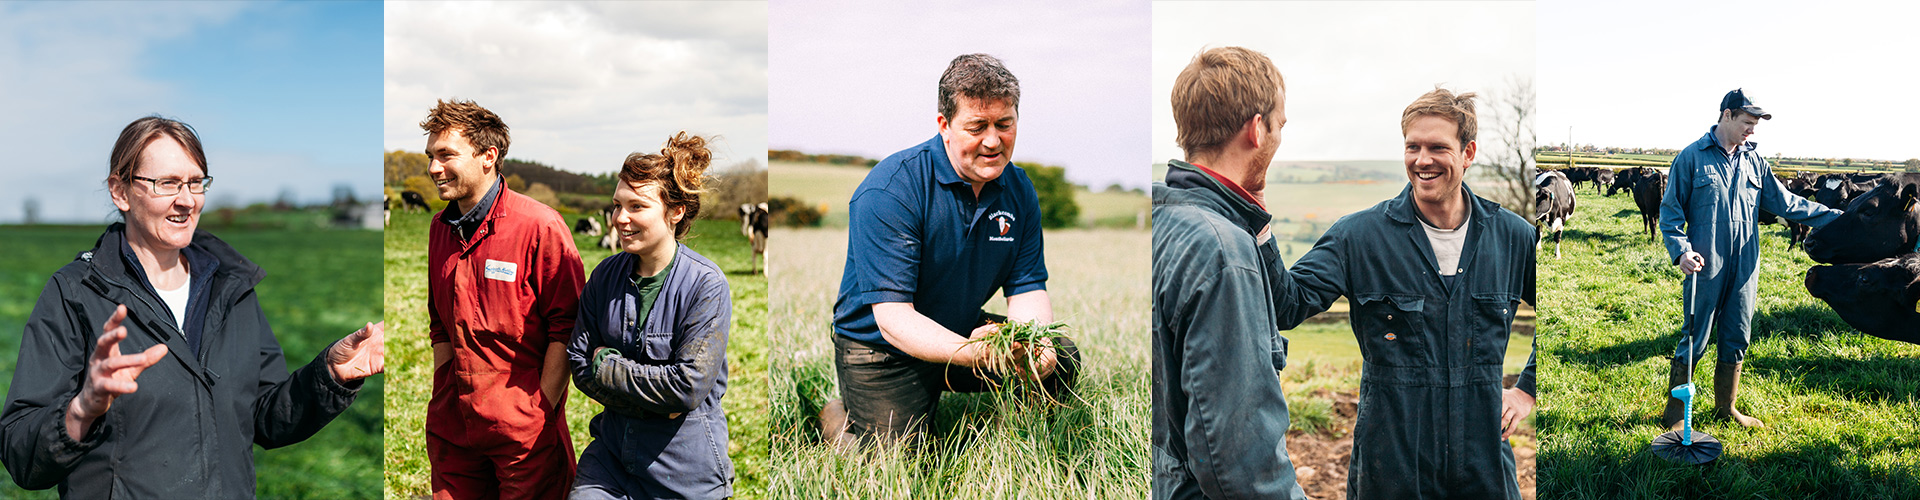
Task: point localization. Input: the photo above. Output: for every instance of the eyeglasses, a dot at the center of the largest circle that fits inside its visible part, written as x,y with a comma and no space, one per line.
170,187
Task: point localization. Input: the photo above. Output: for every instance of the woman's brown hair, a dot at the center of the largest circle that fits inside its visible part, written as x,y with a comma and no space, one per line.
134,140
681,169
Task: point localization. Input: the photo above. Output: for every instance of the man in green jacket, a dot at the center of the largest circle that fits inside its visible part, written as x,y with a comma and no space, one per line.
1219,417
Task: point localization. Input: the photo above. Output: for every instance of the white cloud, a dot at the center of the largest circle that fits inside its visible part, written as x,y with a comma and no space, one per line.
584,84
1351,67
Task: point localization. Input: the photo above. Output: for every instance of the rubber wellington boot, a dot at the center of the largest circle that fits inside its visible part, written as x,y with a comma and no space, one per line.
1726,389
1676,410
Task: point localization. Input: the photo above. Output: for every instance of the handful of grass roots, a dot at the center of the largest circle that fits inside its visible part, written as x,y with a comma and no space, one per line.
1013,352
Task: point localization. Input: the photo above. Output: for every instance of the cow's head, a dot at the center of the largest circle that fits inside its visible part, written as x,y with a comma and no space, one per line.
1882,223
1877,298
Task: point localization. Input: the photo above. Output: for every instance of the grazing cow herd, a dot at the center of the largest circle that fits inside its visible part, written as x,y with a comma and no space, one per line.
1872,252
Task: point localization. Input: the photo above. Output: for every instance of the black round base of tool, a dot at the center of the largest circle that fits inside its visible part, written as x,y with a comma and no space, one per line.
1671,447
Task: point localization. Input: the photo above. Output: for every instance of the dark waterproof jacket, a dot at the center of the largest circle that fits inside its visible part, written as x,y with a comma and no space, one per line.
1219,417
1430,382
190,429
674,361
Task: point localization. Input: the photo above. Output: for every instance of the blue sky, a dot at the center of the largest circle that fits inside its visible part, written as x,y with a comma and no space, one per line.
286,96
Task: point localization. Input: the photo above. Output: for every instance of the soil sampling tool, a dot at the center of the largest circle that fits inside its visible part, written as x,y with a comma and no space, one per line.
1687,446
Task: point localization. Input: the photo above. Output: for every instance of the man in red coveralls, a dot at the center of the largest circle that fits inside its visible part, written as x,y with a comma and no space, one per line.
503,279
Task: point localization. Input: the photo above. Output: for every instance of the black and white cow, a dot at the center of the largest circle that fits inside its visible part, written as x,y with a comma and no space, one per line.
588,226
1881,299
1647,192
1878,224
611,240
753,224
1552,203
410,199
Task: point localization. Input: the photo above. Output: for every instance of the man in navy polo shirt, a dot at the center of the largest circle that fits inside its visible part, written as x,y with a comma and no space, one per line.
934,231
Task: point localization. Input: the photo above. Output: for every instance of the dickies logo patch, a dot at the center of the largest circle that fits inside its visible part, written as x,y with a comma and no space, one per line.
503,271
1003,222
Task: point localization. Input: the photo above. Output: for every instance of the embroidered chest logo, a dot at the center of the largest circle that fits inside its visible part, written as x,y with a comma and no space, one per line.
1003,222
503,271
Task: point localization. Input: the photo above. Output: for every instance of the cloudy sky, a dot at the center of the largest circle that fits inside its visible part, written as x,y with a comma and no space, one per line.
581,85
285,97
1839,78
861,77
1350,67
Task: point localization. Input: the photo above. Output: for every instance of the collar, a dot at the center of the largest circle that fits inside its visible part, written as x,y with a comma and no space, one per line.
943,172
1712,141
479,211
1402,209
207,255
1233,186
1189,177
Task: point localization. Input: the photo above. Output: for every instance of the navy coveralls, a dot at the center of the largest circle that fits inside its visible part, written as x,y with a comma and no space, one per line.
1714,194
1433,347
663,433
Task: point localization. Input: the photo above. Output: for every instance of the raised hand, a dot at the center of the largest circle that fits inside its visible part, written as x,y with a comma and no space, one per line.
359,355
109,374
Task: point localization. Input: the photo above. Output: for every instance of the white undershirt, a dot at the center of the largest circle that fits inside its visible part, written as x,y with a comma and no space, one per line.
1446,245
176,300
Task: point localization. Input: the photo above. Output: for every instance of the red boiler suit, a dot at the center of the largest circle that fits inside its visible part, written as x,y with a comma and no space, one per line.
500,298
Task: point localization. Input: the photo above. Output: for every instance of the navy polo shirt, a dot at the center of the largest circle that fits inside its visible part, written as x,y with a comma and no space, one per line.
917,234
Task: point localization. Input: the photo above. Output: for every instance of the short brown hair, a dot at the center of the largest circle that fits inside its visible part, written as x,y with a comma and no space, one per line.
1219,90
680,167
979,76
480,126
135,137
1443,103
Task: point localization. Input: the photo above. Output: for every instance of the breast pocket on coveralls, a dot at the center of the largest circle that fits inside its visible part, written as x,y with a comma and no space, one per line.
503,293
1492,323
1392,329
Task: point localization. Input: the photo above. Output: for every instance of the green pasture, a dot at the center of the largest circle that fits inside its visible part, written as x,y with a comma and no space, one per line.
410,358
981,448
321,284
1840,407
830,187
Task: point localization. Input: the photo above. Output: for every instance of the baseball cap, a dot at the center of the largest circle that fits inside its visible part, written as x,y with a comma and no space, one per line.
1738,100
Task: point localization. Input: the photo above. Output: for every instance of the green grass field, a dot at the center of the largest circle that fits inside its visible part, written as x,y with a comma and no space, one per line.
831,188
410,357
320,286
1840,407
1100,449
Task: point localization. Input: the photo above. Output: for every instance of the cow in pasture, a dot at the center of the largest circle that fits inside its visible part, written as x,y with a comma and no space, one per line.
1801,185
1881,299
1837,190
588,226
1647,191
1552,203
1625,179
410,199
1602,178
611,240
1577,175
753,224
1880,223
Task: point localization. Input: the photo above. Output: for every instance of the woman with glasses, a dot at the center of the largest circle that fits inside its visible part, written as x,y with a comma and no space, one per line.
147,369
650,343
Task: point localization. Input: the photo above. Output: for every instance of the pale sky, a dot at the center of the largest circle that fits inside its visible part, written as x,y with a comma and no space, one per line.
1838,77
862,77
1350,67
583,84
285,97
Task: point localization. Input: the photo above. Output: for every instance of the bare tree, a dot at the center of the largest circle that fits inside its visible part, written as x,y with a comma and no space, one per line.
1508,157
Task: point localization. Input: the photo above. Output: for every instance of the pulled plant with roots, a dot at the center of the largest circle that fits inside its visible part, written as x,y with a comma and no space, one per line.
1011,357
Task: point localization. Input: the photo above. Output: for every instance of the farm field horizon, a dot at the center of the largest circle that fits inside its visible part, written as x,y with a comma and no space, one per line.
1840,408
